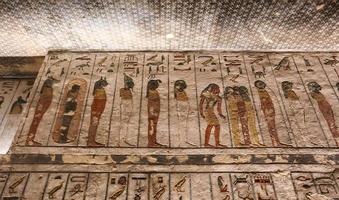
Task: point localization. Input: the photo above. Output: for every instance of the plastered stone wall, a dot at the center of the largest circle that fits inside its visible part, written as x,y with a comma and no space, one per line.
175,125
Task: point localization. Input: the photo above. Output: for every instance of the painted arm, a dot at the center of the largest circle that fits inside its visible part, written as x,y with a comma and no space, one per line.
219,108
201,107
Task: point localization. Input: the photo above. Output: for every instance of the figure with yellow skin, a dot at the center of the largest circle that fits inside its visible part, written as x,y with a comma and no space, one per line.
325,108
250,114
233,109
209,99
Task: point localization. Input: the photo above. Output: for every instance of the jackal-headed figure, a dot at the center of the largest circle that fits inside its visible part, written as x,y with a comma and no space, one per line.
209,98
183,110
45,100
126,108
97,108
153,108
325,108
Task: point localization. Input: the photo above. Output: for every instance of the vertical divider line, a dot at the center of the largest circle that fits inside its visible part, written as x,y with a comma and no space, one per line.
225,102
36,85
113,102
211,186
231,185
149,186
253,100
65,191
46,186
127,185
294,187
252,183
197,99
169,186
309,98
328,79
24,189
190,185
86,186
86,100
284,110
59,99
273,186
107,184
5,184
168,103
141,97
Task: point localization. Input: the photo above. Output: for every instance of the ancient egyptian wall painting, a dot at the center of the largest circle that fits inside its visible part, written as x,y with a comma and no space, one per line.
13,99
143,186
183,100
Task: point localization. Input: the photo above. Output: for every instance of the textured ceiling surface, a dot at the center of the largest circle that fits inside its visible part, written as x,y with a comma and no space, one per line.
33,27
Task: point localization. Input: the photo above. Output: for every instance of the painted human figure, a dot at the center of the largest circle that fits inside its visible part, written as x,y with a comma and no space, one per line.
17,106
242,114
325,108
210,98
153,108
231,100
295,106
267,107
126,108
183,110
45,100
69,112
2,99
250,115
97,108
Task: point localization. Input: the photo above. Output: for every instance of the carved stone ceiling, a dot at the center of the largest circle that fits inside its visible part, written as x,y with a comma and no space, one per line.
33,27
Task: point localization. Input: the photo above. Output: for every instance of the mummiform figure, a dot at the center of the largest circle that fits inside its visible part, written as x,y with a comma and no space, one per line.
126,109
325,108
231,101
183,110
153,108
45,100
97,108
250,115
268,109
295,107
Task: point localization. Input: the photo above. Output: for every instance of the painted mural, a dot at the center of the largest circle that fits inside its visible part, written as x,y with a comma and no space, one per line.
181,100
168,185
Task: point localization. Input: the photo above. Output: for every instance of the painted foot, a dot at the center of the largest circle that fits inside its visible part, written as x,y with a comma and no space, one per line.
129,144
281,144
32,143
221,146
192,144
156,144
94,144
209,145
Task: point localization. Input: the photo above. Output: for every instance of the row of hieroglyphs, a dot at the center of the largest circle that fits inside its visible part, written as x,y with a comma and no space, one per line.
13,97
185,100
161,186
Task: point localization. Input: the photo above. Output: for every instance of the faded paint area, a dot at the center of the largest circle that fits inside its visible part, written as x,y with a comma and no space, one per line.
173,125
